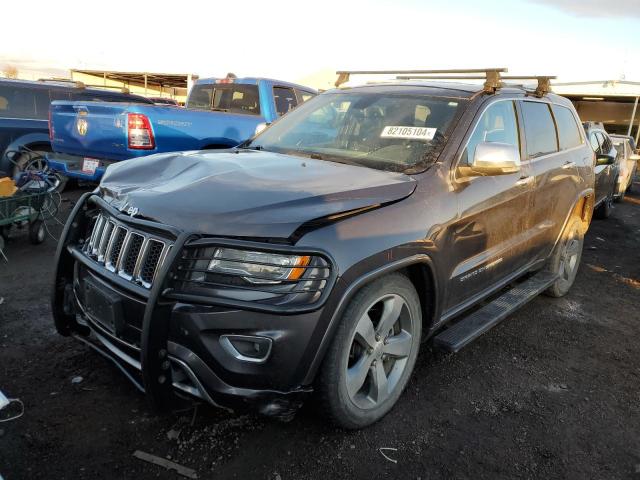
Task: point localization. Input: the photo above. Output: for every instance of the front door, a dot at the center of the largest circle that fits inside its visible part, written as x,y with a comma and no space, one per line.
491,234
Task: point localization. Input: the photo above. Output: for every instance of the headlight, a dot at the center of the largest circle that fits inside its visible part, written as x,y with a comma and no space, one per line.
258,267
273,278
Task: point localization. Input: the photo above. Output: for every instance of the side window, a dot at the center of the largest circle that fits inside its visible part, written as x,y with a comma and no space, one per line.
59,95
41,98
4,101
595,143
17,102
304,96
285,100
539,129
605,142
497,124
200,97
568,130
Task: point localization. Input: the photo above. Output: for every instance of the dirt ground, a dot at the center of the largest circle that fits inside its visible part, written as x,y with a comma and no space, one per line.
552,392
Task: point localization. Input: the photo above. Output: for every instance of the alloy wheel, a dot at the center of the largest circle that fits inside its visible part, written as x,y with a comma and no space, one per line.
570,255
379,351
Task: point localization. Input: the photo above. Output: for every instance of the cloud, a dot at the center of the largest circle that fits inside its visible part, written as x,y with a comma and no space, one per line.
595,8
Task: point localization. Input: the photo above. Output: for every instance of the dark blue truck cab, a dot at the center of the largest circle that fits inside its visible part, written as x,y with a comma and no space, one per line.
220,113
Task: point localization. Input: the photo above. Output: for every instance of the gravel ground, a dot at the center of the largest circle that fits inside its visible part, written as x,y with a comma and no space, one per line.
552,392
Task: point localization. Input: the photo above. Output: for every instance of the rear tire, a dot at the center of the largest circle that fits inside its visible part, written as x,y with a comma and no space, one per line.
603,211
565,260
34,160
373,352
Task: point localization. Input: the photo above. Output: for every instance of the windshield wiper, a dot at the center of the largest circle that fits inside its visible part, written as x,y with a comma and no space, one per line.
216,109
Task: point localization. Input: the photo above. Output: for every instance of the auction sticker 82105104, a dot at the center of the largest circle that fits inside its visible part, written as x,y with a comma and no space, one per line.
411,133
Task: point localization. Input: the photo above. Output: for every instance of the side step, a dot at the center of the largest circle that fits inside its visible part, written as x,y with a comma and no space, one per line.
468,329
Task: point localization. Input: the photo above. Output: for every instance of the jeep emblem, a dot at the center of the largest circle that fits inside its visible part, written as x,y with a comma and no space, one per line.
132,211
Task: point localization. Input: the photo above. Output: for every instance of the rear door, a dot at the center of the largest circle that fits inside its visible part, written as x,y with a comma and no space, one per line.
554,147
491,235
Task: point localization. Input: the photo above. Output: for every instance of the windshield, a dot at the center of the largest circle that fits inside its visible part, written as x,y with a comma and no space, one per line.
226,97
397,132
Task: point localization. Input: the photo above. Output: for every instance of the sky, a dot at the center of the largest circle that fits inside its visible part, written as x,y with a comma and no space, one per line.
293,40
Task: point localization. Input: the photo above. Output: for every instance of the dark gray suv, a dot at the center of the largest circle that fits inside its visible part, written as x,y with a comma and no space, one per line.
318,256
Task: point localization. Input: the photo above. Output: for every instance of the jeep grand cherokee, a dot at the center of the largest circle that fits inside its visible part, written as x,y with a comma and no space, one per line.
318,256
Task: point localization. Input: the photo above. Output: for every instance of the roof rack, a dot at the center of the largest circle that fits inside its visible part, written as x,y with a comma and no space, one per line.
492,77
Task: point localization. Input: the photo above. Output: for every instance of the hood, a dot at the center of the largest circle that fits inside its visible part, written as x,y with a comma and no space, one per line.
245,193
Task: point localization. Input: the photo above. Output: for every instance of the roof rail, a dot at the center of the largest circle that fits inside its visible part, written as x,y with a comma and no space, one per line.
544,81
110,87
76,83
79,84
491,76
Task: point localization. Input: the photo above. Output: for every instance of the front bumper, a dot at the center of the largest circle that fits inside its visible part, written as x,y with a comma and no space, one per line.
71,166
167,346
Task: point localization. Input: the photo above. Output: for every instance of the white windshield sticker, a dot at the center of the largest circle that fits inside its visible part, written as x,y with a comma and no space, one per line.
413,133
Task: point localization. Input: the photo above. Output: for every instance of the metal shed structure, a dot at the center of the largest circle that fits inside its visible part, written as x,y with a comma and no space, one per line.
171,85
612,102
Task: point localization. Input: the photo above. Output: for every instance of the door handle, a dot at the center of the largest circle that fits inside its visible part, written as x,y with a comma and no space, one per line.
524,181
569,165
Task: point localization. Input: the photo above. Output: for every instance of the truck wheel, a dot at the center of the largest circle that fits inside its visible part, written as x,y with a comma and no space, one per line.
34,160
566,258
604,209
37,232
372,354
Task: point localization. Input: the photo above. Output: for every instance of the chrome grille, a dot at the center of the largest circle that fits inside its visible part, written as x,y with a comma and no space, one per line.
132,254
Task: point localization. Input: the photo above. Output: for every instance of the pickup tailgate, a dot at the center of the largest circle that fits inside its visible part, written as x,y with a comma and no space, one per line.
90,129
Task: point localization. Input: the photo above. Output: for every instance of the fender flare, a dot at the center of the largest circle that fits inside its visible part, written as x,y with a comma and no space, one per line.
352,289
586,211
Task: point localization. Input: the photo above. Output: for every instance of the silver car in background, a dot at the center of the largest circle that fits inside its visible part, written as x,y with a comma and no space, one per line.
628,161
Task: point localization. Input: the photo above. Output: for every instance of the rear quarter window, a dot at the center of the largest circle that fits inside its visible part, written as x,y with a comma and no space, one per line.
539,129
20,102
284,99
568,129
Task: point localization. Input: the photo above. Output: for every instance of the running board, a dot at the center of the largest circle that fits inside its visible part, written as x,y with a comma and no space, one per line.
468,329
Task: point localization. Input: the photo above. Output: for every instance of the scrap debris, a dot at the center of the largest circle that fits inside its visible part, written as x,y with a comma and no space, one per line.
168,464
388,449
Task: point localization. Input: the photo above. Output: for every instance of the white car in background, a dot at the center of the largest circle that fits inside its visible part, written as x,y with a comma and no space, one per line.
628,164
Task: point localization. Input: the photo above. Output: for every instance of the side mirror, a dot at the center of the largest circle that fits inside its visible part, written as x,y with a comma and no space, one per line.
492,158
604,159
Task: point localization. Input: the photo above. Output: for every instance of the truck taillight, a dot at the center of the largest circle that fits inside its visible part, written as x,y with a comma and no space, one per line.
139,132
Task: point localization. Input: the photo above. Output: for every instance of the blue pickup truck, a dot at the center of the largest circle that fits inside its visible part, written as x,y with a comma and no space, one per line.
221,113
24,113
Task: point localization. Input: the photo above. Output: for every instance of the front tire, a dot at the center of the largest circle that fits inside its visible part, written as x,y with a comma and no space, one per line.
373,353
566,258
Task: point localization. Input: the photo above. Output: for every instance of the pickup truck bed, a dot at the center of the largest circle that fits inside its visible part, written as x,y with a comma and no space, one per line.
88,136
